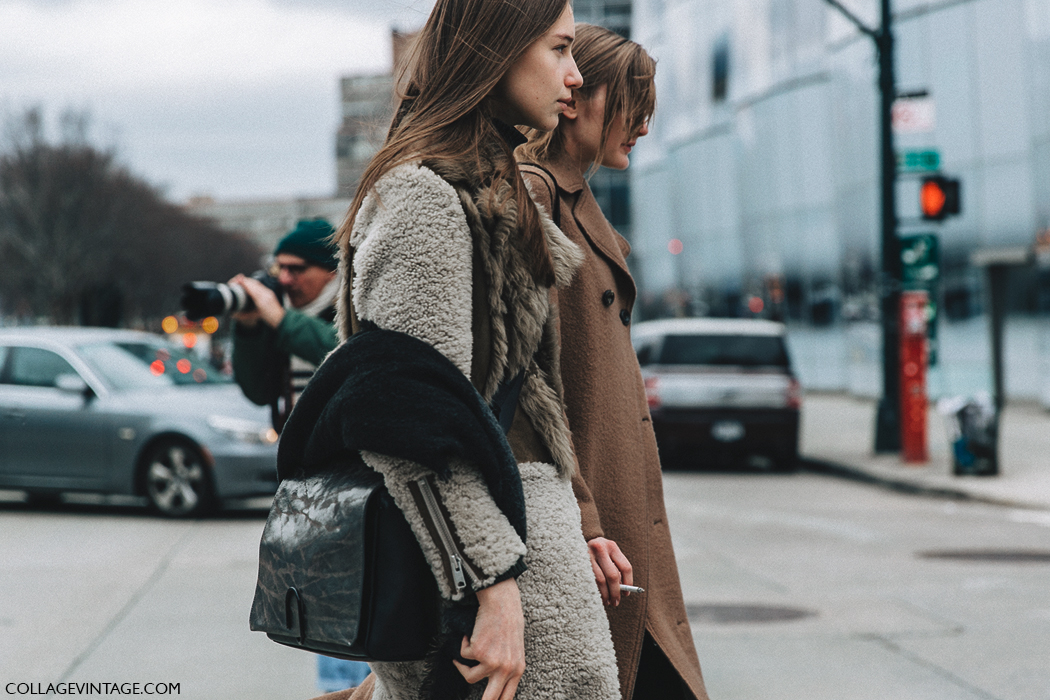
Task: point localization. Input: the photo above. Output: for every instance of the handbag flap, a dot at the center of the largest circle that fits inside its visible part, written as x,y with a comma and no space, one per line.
312,558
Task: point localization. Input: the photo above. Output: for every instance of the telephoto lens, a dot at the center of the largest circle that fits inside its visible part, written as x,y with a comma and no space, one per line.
202,299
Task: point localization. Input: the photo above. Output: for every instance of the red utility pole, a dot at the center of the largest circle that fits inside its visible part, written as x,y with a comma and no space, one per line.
913,359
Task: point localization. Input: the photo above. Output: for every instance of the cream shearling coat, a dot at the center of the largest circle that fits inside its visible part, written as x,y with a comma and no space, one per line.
429,259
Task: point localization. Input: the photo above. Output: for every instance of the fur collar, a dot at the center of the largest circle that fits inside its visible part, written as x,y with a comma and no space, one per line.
522,333
518,306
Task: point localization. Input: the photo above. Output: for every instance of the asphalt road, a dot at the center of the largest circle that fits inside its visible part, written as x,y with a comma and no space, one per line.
116,595
875,617
801,587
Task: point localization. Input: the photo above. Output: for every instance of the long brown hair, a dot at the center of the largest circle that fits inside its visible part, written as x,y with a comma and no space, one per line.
457,59
627,72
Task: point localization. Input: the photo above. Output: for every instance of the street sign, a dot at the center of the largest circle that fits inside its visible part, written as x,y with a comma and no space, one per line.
920,260
914,115
921,271
918,161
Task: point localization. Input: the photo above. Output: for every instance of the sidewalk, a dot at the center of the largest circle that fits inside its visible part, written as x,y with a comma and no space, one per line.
838,432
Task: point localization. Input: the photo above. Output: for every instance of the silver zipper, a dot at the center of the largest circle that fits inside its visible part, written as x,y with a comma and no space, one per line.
456,563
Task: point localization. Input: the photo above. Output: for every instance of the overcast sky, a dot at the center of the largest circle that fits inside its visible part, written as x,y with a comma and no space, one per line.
229,98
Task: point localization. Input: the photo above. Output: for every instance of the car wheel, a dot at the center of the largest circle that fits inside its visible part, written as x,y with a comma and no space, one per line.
175,479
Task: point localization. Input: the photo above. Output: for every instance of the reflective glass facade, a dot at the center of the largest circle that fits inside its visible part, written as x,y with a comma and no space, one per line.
762,159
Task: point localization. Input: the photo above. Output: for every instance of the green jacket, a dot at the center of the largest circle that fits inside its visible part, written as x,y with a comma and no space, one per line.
260,354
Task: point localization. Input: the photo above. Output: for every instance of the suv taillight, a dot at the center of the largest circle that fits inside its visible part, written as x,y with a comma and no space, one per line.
652,393
794,394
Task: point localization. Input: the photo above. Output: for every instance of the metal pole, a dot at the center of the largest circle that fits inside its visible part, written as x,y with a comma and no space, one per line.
983,443
997,286
888,425
997,281
888,420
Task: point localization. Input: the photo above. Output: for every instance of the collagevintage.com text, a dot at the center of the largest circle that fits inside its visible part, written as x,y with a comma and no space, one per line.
103,689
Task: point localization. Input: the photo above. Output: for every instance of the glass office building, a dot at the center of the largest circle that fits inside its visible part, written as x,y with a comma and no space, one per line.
611,188
761,170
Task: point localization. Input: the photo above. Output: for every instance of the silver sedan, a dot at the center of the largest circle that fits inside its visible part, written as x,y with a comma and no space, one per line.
123,412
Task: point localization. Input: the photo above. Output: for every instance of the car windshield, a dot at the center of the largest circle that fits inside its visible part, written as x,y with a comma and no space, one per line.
181,366
736,350
128,366
119,368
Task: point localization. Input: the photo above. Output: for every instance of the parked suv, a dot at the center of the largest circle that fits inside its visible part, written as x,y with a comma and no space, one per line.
720,391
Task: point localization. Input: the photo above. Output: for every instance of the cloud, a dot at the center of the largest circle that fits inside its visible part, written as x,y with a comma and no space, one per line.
249,142
232,97
403,14
99,45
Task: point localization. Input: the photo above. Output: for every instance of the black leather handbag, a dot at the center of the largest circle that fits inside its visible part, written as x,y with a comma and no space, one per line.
340,572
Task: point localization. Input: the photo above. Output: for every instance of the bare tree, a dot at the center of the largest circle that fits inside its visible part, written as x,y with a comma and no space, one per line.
82,239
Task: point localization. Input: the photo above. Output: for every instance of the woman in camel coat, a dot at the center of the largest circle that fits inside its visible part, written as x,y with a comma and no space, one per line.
618,483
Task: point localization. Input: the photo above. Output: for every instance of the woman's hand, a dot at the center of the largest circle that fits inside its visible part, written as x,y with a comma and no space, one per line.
498,641
611,568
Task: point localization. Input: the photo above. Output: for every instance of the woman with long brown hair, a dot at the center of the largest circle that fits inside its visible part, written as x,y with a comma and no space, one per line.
618,483
443,244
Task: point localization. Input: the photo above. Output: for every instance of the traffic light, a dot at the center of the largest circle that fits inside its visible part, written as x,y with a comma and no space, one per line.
939,197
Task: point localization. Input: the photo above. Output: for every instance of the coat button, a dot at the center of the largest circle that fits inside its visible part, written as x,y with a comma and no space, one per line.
608,297
625,316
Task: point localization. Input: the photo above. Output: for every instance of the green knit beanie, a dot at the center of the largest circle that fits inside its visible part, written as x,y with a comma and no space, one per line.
311,241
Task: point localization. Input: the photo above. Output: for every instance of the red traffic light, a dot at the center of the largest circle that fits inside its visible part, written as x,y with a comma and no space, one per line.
939,197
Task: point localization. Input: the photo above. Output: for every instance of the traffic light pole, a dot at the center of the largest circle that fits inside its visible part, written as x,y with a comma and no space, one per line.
887,422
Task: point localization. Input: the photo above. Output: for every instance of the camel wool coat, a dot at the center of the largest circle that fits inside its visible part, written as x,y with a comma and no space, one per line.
618,483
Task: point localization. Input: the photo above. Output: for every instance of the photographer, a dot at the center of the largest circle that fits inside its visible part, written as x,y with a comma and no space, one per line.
276,346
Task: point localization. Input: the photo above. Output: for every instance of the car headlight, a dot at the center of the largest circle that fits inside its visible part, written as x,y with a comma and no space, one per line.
243,430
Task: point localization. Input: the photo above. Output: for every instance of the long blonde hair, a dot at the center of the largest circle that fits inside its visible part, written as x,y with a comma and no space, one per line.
456,61
627,72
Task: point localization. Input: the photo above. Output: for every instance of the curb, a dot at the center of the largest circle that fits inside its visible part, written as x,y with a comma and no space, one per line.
844,471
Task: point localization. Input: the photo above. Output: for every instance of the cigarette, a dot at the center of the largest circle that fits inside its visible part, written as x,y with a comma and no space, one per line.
624,588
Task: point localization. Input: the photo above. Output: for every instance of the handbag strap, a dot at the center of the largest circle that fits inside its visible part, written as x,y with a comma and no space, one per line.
548,179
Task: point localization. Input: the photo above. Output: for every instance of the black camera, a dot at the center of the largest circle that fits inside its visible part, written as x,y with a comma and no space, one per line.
203,299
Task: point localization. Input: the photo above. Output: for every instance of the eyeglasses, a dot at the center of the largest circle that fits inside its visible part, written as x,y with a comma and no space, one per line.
292,270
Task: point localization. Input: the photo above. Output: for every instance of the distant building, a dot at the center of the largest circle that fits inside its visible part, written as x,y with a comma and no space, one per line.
611,188
761,170
611,14
367,108
763,156
268,220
